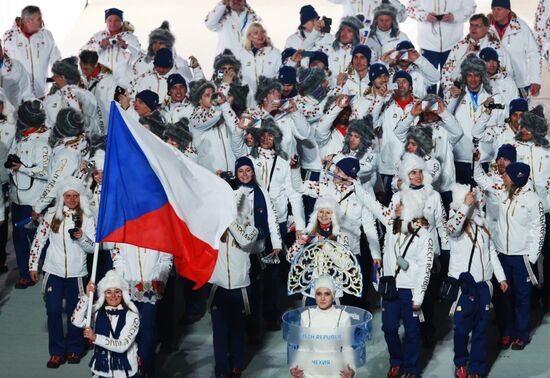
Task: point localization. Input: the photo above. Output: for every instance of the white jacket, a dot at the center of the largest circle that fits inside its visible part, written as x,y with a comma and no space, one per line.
266,62
119,60
15,81
467,118
390,147
339,60
440,36
144,269
64,162
36,54
66,257
504,85
172,112
28,183
485,261
445,135
381,42
520,228
212,129
367,7
230,26
145,63
103,88
354,213
279,186
126,342
7,138
451,68
538,158
71,96
311,41
490,197
152,81
519,42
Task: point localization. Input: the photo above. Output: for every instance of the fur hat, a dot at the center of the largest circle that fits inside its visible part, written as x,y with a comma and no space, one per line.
364,128
240,96
474,64
68,68
386,10
265,85
155,122
179,132
112,280
325,203
423,136
410,162
29,114
413,206
459,193
67,184
69,123
310,83
352,22
535,122
161,34
197,88
269,126
97,142
227,57
98,160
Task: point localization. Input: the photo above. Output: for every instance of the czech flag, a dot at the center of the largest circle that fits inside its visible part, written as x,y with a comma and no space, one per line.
154,197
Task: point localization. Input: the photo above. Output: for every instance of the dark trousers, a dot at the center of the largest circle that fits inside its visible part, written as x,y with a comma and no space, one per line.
22,238
4,226
55,290
309,202
474,322
147,336
195,300
517,299
392,313
388,193
228,324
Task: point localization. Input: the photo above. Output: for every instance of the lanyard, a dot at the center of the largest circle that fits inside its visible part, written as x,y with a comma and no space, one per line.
244,21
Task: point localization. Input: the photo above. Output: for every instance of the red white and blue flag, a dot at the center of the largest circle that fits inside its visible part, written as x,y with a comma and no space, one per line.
154,197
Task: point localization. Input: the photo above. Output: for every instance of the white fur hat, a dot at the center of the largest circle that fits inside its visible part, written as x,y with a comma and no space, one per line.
410,162
459,193
413,205
113,280
72,183
330,204
99,160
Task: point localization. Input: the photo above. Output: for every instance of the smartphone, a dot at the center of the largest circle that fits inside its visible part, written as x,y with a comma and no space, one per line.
392,86
219,74
430,105
308,54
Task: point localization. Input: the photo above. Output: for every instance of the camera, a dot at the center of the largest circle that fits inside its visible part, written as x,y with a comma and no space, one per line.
476,47
392,86
227,176
12,159
113,41
328,24
402,263
439,17
215,98
493,105
219,75
430,105
457,83
119,91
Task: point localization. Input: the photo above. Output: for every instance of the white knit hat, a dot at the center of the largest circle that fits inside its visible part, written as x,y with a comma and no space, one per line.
72,183
113,280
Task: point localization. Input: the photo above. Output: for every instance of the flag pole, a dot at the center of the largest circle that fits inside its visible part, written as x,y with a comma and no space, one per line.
92,279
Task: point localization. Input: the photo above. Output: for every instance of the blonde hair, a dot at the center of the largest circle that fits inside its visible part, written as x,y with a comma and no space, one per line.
251,29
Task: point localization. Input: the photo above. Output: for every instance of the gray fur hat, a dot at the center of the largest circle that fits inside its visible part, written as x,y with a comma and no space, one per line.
423,136
161,34
472,63
68,68
240,95
30,114
155,122
352,22
386,10
179,132
309,81
535,122
197,88
269,126
265,85
363,127
69,123
227,57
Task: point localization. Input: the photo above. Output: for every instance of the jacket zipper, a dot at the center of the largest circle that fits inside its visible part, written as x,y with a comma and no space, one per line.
508,227
227,255
139,263
64,247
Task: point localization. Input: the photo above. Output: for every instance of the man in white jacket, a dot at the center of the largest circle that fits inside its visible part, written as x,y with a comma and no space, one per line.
33,46
384,32
231,19
517,39
367,7
501,82
440,25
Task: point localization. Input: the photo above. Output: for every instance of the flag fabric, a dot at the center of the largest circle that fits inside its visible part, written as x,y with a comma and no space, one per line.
154,197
